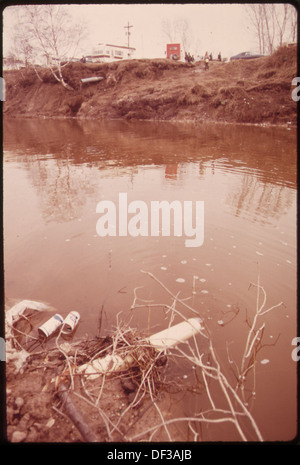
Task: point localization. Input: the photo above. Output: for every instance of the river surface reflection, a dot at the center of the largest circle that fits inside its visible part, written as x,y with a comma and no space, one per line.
57,171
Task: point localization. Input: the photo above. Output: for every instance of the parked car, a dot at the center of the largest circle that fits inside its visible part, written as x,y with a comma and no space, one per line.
245,56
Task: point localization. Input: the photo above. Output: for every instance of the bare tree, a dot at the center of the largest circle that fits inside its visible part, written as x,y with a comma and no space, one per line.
178,30
24,50
273,24
49,32
293,21
268,10
281,17
184,31
254,14
168,29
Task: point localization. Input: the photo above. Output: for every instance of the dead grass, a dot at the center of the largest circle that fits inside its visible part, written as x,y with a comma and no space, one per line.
162,90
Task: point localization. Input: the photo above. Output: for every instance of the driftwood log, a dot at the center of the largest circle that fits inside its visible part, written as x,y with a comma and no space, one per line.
75,416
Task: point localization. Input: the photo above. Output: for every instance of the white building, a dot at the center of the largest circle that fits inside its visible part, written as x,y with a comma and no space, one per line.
108,53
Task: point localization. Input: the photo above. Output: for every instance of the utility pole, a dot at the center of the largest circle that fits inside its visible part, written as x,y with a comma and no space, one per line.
128,33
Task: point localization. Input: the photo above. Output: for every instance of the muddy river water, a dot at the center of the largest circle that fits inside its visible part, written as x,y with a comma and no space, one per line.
58,175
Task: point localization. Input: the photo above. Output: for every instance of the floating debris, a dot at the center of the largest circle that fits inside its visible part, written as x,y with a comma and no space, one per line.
264,361
220,322
180,280
165,339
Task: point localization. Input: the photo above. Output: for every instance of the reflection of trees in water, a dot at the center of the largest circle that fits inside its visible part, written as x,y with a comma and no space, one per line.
62,188
66,152
258,200
272,150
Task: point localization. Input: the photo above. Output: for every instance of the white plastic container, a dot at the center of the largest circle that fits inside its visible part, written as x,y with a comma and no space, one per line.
107,364
173,335
51,325
163,340
70,323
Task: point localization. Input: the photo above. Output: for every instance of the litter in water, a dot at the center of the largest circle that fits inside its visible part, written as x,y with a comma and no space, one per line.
70,323
50,326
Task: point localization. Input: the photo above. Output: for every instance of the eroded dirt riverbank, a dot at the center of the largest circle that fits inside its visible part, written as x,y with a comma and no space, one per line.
257,91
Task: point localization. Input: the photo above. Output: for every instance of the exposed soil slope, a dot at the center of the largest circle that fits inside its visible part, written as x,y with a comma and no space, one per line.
244,91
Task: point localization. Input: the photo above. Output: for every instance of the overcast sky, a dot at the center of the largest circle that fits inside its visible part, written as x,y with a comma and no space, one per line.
212,27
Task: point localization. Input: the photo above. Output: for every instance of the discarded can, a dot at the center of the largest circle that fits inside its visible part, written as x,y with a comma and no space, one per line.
70,322
51,325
